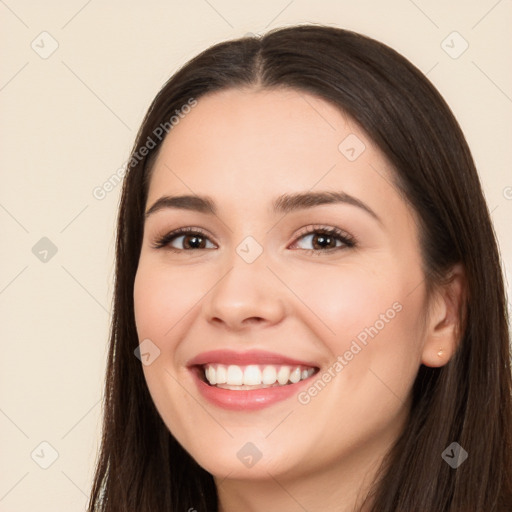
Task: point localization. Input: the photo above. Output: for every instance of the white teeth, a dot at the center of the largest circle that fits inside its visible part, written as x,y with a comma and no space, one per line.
210,375
254,375
283,375
295,375
235,376
269,375
221,375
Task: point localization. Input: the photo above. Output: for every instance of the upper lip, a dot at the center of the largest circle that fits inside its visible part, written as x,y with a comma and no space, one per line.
245,358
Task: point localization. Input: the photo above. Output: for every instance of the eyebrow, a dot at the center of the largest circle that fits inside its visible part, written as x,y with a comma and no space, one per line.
285,203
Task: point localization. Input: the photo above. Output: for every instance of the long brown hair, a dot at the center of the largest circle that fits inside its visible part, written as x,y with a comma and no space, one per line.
142,468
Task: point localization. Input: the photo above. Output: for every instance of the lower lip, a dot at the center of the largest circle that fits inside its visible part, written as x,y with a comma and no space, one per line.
246,400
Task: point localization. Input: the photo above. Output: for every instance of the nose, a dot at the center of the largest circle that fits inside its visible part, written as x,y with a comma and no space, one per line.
248,294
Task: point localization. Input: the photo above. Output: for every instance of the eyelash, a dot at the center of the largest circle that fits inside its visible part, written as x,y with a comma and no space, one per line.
347,240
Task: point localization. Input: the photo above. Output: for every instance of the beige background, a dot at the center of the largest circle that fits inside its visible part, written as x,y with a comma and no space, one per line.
68,121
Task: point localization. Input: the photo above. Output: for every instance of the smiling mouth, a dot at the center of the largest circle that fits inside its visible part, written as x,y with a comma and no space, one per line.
253,376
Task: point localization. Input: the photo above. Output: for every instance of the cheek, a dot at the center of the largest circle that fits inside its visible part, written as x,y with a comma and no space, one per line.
162,299
344,301
375,350
371,317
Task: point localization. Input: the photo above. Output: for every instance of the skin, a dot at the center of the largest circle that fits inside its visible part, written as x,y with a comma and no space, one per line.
243,148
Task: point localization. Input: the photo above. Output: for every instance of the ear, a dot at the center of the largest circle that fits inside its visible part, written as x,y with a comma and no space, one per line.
443,329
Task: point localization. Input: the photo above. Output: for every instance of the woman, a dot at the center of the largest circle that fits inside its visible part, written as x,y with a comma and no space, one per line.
309,312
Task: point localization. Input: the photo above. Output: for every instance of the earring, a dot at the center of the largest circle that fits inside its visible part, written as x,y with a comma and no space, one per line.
440,353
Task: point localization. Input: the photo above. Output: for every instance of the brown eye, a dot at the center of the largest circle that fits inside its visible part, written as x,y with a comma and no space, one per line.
323,240
189,241
192,241
184,239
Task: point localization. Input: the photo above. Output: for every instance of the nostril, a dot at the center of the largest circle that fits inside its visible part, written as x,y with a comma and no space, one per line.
253,320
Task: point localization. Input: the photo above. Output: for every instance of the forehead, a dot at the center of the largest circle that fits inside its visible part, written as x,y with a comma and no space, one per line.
246,146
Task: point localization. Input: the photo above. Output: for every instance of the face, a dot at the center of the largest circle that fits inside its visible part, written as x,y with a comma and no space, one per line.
296,288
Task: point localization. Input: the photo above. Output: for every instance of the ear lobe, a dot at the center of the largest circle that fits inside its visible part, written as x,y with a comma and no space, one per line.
443,327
